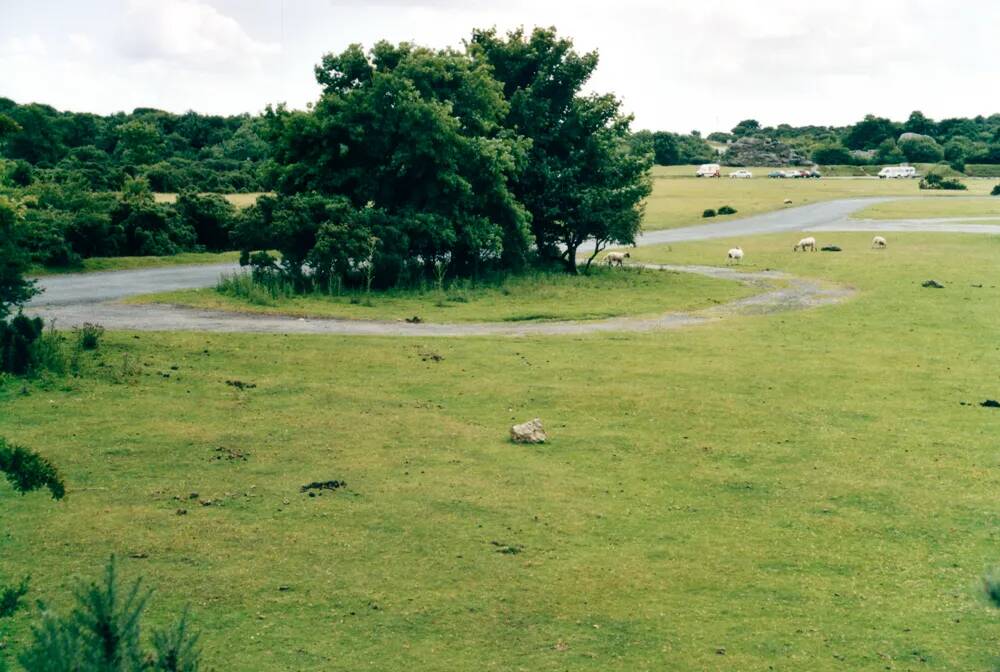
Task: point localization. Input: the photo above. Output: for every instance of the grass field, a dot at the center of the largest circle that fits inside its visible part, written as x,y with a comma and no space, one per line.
95,264
803,491
239,200
988,206
604,293
677,201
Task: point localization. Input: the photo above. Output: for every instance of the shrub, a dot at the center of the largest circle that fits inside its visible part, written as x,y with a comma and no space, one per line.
10,597
995,191
708,213
102,632
937,181
726,210
17,340
88,336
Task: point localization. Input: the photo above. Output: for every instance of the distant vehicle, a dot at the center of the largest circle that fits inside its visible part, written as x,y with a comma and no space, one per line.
709,170
776,174
811,173
793,173
741,174
893,172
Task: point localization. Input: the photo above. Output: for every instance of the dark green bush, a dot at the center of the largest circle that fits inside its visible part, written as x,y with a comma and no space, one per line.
937,181
10,597
726,210
996,190
708,213
17,339
88,336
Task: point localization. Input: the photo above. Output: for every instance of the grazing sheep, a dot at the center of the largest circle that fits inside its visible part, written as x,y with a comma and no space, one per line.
735,255
879,242
805,244
788,201
616,258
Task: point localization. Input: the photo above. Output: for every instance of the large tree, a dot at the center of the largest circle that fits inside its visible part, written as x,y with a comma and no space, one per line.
14,260
412,138
583,179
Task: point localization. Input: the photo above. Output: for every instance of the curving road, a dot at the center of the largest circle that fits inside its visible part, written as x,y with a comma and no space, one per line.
73,299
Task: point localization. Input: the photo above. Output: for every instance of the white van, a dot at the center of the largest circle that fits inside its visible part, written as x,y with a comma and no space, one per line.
897,171
709,170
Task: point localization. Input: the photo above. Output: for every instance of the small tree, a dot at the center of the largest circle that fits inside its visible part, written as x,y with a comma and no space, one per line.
14,261
27,470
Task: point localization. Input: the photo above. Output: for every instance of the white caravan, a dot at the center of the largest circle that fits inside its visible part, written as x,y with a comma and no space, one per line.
897,171
709,170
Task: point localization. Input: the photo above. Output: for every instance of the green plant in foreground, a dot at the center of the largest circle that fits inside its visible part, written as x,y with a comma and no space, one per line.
10,597
102,633
996,190
709,212
27,470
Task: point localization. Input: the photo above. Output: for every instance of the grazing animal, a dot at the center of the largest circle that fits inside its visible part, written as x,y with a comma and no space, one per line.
788,201
879,242
735,255
616,258
805,244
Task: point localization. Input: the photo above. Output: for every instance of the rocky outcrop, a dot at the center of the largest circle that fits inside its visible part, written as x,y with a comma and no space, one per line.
528,432
762,152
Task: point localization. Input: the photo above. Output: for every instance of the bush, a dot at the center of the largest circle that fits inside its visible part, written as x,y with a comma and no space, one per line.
10,597
17,341
937,181
88,336
708,213
726,210
995,191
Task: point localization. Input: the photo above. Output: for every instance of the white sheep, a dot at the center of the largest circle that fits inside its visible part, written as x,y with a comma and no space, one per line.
879,242
616,258
805,244
735,255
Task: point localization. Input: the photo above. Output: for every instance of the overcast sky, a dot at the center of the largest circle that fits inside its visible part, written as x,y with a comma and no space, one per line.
700,64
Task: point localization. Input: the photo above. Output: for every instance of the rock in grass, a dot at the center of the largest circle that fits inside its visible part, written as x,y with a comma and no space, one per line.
934,284
990,403
830,248
528,432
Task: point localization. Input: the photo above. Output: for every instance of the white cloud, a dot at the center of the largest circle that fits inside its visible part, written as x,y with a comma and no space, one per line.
18,46
191,33
81,44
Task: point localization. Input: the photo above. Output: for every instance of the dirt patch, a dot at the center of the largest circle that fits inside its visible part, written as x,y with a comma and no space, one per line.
323,485
230,454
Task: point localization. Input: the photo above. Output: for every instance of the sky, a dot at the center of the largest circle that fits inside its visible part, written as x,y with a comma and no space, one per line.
678,66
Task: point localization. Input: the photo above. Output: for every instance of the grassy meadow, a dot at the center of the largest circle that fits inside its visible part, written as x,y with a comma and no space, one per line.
242,200
802,491
604,292
99,264
679,199
988,206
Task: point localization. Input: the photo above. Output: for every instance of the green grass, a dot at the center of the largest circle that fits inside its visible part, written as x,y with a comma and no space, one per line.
540,296
239,200
933,207
95,264
679,201
804,490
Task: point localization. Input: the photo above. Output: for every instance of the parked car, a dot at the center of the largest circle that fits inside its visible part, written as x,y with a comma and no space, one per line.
776,174
812,173
709,170
793,173
741,174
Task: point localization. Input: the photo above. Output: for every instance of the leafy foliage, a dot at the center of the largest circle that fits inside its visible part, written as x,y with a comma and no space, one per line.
18,337
583,178
14,288
10,597
102,633
27,470
938,181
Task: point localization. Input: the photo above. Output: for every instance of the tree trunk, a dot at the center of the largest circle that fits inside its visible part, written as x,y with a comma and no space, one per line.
597,250
569,258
